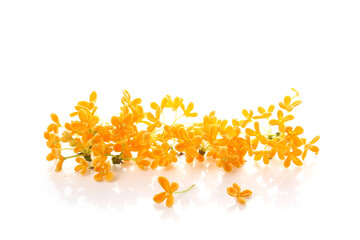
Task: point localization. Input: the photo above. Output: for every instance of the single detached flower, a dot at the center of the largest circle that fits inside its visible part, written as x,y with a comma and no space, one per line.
235,191
169,191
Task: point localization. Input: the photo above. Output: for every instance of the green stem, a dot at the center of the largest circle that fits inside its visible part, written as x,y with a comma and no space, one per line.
77,155
186,189
123,149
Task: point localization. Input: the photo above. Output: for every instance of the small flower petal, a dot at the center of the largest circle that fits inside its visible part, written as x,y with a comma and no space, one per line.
170,200
164,183
160,197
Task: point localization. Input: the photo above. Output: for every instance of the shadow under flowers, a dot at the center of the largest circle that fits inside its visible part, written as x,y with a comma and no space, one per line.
271,184
125,189
129,186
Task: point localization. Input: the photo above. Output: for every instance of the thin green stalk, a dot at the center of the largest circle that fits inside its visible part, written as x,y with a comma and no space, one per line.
186,189
77,155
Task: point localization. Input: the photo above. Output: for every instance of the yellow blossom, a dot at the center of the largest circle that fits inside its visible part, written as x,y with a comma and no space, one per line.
281,120
235,191
103,170
168,193
83,165
264,113
310,146
170,189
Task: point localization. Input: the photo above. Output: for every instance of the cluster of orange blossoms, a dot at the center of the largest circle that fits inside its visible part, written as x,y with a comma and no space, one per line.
145,139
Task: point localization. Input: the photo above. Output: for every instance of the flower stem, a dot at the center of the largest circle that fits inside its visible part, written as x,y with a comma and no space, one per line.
163,115
110,155
186,189
77,155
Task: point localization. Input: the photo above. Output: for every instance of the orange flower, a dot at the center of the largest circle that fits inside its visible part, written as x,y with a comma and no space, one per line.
87,106
211,134
168,194
55,119
53,140
226,158
292,156
163,155
170,132
133,105
188,145
235,191
140,159
59,164
248,116
310,146
155,120
245,145
277,147
103,170
281,120
292,136
101,152
169,191
126,99
82,127
66,136
187,111
177,103
262,154
257,134
167,102
264,113
123,125
287,105
83,165
209,120
54,154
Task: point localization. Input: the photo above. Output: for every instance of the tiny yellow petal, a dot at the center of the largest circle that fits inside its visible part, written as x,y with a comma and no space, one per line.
164,183
93,97
160,197
55,118
232,191
170,200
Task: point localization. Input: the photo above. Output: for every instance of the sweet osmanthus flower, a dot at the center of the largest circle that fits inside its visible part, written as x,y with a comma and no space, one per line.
310,146
103,170
83,165
235,191
170,189
147,140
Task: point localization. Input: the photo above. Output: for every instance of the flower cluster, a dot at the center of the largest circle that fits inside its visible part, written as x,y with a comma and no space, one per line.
147,140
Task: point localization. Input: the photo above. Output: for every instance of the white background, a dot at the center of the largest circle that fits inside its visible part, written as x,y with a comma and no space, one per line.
223,56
